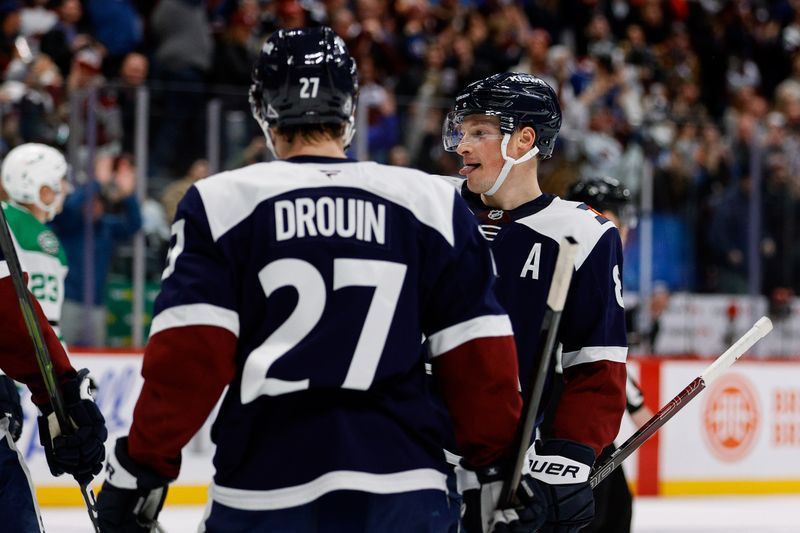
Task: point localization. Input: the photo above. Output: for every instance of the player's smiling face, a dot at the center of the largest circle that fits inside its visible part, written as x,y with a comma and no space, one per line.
480,150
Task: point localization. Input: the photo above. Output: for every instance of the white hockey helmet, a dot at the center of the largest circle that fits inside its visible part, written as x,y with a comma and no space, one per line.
29,167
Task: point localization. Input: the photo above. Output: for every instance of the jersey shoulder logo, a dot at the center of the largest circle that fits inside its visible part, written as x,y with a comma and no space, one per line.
597,214
495,214
48,242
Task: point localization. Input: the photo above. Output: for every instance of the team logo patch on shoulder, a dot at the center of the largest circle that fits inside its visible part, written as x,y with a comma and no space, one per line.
48,242
495,214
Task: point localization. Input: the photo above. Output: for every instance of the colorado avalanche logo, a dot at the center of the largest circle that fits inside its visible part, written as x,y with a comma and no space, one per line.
495,214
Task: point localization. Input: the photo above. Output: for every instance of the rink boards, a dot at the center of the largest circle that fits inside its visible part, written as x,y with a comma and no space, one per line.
740,436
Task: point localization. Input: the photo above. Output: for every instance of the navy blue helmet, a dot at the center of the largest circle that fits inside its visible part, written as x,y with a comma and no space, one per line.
517,99
604,193
601,193
304,76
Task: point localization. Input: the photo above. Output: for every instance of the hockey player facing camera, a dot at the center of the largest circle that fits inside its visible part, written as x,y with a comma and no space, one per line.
33,176
502,127
304,286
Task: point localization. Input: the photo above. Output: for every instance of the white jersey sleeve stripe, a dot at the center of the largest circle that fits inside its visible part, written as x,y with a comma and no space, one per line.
268,500
475,328
592,354
195,315
4,269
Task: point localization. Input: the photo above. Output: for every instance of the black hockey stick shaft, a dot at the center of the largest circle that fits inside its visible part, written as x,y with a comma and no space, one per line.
731,355
43,358
557,295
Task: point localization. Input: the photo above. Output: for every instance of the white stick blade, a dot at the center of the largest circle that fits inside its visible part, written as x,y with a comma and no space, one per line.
732,354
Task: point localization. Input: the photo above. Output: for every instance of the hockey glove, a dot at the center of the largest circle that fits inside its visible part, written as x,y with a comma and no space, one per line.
556,483
80,453
132,495
480,490
10,406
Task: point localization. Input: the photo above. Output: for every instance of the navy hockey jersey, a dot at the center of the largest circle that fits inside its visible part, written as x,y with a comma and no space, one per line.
524,244
305,287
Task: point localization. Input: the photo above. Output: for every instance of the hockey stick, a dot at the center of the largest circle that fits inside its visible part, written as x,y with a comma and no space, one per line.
557,295
40,349
731,355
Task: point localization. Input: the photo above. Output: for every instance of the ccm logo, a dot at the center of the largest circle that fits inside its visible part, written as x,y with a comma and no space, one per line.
554,469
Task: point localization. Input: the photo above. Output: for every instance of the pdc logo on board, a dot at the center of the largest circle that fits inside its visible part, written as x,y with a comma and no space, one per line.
731,418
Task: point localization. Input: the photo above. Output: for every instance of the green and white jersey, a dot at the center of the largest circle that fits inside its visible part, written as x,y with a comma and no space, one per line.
42,257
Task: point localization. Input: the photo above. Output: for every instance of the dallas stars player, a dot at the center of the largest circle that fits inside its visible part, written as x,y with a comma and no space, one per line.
33,178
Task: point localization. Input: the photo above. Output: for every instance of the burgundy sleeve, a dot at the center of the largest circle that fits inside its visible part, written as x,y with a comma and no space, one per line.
592,404
479,382
186,370
17,354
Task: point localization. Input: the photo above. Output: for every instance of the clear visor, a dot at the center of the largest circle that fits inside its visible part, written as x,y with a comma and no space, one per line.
464,127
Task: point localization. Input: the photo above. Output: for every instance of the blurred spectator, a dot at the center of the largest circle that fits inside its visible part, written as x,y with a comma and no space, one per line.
398,156
182,59
38,118
173,193
85,76
729,234
132,75
36,19
116,217
287,14
233,53
68,35
117,25
383,123
9,31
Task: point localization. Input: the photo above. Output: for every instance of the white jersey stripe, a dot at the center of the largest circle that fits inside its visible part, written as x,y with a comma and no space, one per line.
232,196
591,354
4,269
268,500
195,315
475,328
562,218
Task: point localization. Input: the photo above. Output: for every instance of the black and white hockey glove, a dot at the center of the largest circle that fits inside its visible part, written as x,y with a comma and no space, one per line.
555,484
132,494
82,452
10,406
480,491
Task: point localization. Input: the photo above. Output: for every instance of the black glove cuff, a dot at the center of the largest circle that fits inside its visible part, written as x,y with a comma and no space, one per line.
146,478
567,448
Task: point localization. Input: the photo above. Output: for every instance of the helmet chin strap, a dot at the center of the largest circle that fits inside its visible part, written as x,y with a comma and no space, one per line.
51,208
510,162
270,143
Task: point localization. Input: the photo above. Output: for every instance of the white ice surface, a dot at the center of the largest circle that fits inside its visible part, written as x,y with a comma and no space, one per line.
768,514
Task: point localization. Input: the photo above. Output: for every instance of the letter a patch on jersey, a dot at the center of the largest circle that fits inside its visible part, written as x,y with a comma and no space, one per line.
532,263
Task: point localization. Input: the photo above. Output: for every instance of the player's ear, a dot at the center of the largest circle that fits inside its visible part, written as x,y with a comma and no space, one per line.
525,138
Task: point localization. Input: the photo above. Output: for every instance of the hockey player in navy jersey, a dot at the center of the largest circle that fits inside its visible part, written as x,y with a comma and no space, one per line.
32,177
304,286
502,127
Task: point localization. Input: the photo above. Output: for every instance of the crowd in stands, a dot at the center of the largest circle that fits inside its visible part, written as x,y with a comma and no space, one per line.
704,92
